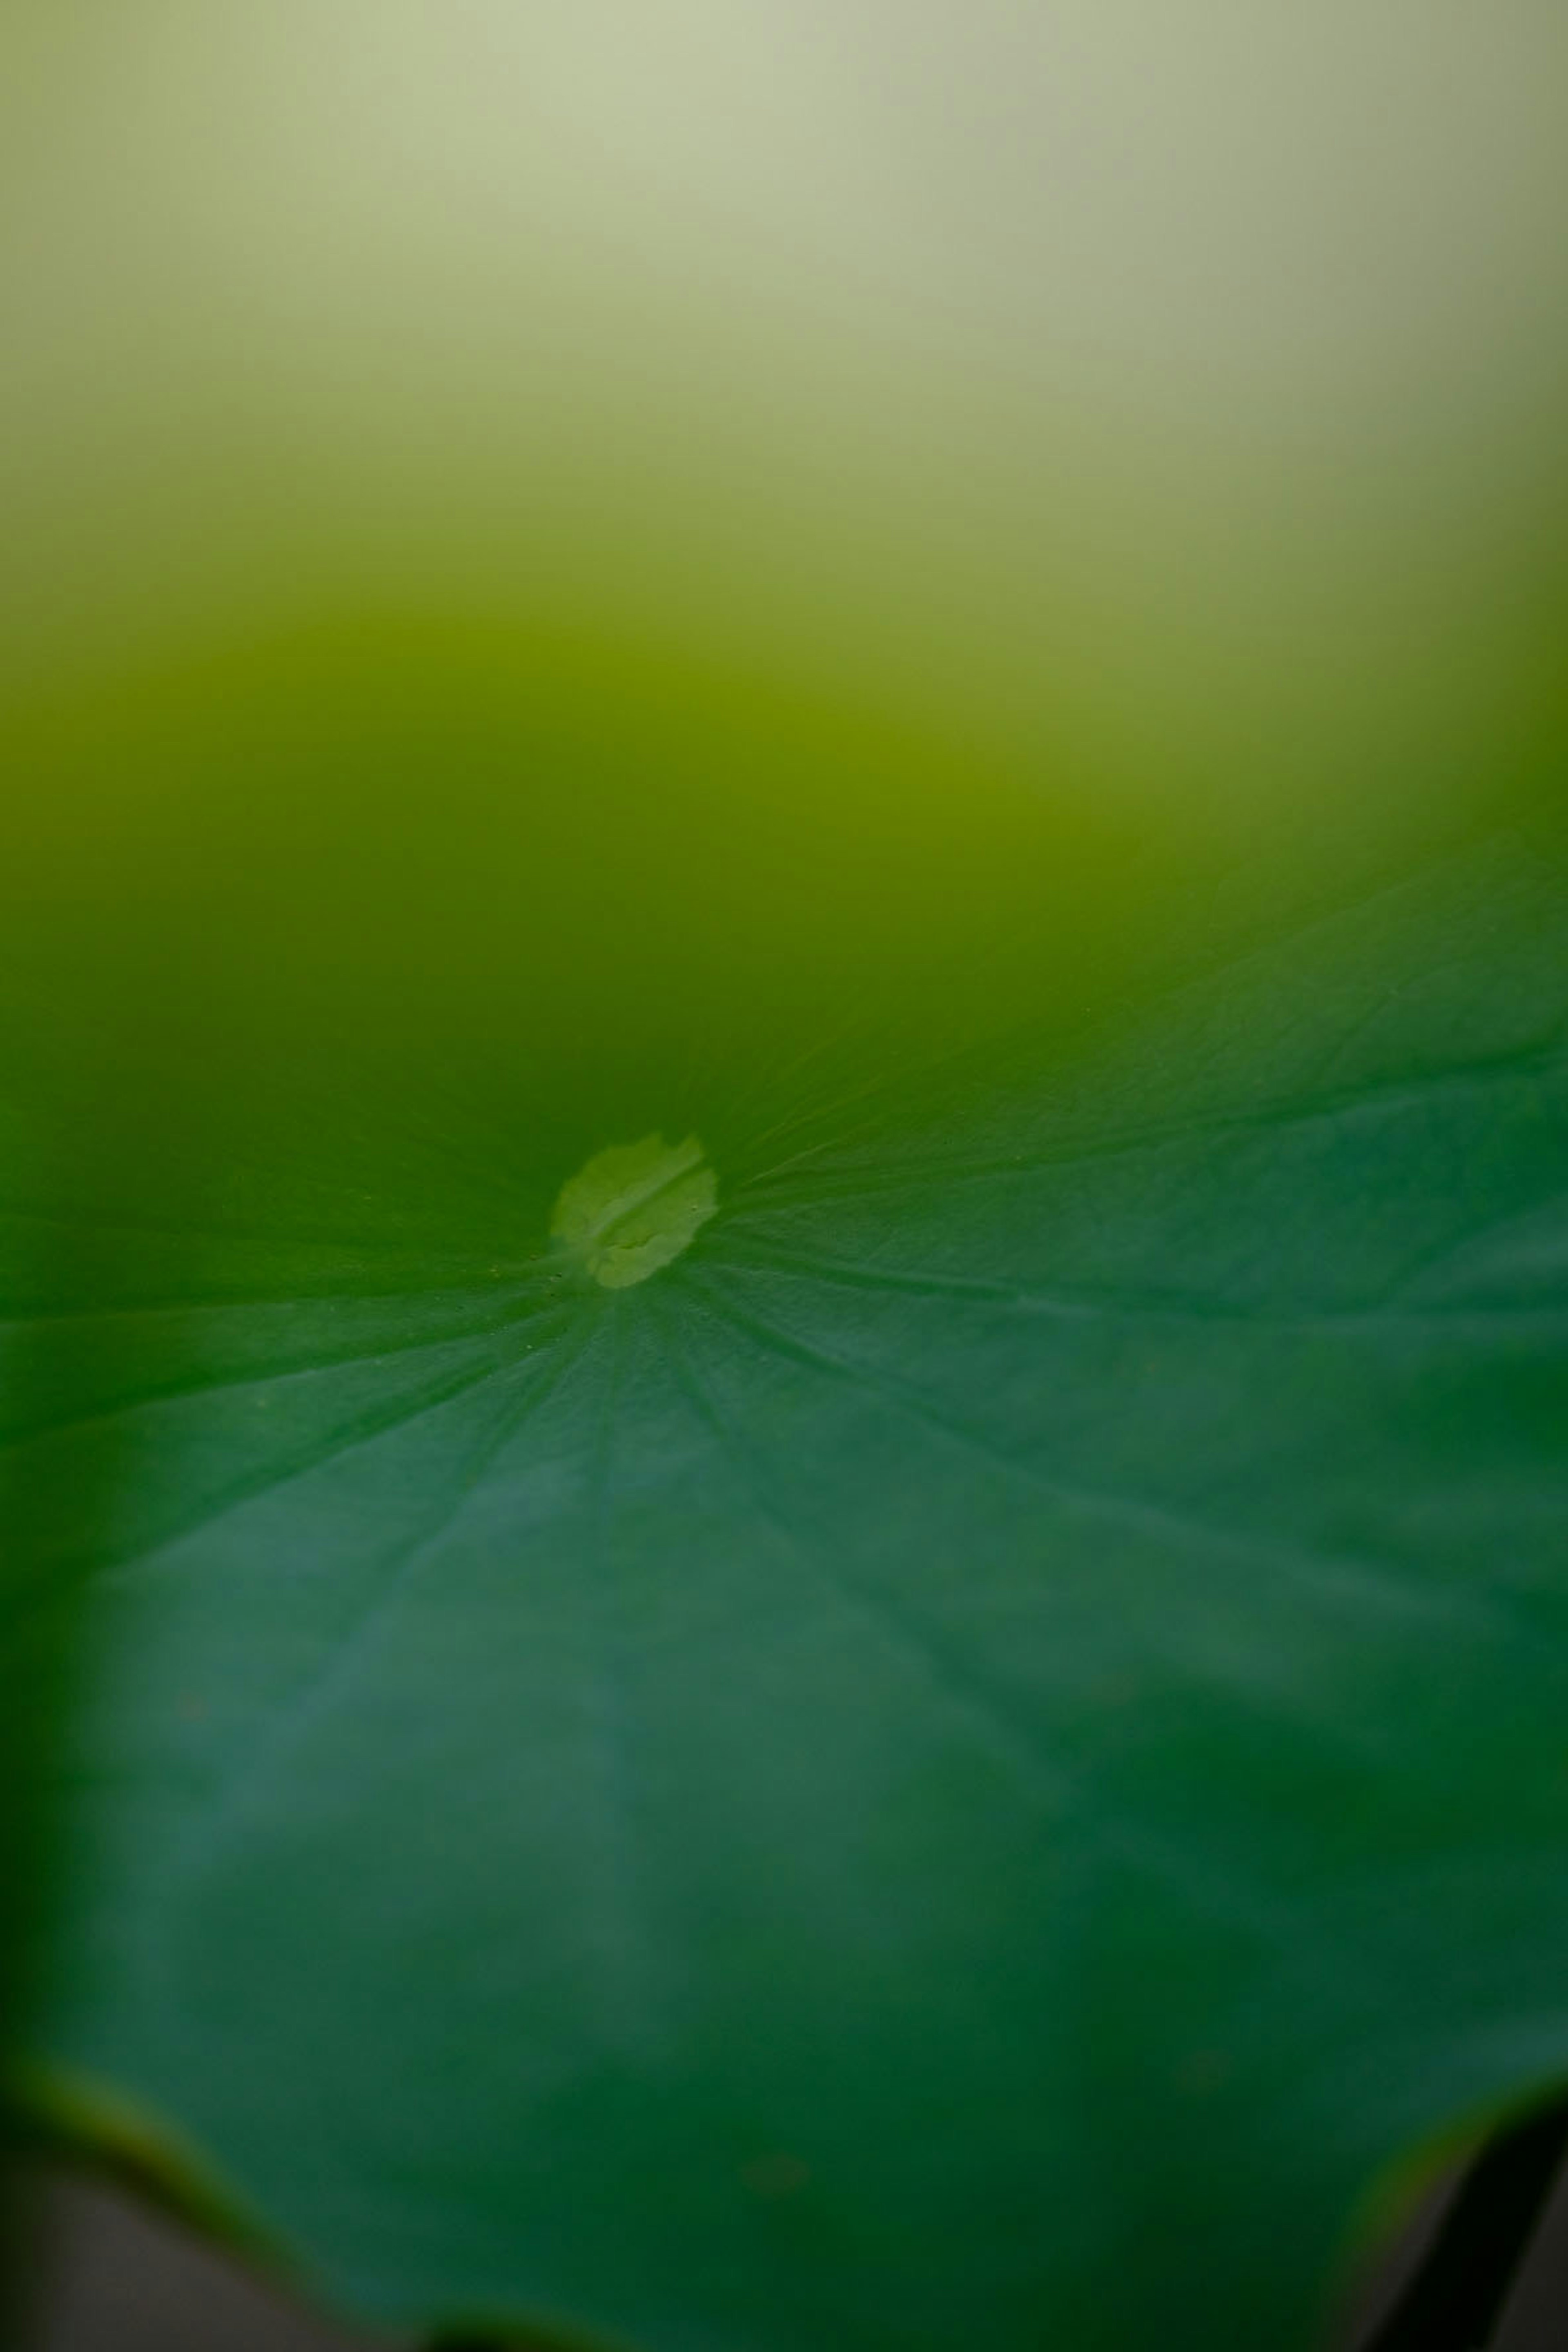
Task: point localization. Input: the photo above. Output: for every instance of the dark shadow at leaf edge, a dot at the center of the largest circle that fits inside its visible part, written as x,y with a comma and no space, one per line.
65,2117
1461,2289
51,2114
1392,2204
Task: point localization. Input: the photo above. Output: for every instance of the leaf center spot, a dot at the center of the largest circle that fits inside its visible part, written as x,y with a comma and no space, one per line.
634,1207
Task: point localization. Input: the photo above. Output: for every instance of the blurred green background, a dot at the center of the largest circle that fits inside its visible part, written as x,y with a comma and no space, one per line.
1168,398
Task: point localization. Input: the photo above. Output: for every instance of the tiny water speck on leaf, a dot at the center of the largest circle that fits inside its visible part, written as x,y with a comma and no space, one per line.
632,1208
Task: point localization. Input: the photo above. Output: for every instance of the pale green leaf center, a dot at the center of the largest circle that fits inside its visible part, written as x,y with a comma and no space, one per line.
634,1207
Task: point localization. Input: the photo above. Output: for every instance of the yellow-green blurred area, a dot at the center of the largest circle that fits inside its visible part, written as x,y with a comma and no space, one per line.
661,509
319,908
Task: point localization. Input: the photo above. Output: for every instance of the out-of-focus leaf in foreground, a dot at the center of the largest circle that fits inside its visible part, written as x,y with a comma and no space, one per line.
959,1761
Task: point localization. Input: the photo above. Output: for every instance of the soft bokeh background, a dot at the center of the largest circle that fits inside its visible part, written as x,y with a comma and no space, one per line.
1183,385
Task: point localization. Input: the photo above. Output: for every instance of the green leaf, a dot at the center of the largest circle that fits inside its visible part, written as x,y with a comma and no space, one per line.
962,1760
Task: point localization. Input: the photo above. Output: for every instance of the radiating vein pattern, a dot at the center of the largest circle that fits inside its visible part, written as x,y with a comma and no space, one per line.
1005,1702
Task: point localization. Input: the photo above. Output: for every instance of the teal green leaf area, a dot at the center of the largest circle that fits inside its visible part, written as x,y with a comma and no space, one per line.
964,1760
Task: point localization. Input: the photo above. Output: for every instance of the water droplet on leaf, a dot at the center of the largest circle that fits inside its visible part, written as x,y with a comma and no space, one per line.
634,1207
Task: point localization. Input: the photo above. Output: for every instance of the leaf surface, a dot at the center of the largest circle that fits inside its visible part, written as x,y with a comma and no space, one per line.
958,1763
